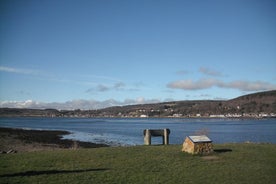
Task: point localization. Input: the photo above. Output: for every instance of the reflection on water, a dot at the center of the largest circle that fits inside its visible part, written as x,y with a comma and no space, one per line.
122,132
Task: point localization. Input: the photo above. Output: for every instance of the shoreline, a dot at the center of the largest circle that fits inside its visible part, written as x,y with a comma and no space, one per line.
22,140
150,117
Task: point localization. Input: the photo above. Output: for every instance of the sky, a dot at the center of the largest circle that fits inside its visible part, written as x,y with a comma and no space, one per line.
90,54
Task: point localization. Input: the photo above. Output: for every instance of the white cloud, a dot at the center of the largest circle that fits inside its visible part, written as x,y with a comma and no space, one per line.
19,70
119,86
72,79
192,85
107,78
209,72
209,83
103,88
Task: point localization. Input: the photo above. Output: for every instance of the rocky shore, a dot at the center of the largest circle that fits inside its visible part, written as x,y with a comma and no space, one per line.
21,140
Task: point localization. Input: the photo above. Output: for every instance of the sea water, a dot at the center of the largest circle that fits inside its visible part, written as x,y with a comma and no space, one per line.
129,131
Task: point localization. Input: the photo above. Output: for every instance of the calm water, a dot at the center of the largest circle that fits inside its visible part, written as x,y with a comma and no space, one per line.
130,131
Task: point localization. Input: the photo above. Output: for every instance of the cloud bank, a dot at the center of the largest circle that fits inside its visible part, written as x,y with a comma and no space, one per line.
75,104
209,83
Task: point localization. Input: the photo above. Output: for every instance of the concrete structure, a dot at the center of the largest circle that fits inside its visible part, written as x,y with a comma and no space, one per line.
197,145
164,133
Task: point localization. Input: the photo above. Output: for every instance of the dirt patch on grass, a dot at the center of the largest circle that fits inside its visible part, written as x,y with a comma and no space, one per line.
211,158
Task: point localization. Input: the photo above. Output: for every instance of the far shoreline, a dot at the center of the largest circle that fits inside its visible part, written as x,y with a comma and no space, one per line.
150,117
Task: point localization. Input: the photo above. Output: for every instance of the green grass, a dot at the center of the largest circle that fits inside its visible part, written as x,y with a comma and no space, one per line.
245,163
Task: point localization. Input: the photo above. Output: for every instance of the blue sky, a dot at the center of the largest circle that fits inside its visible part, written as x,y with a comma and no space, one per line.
96,53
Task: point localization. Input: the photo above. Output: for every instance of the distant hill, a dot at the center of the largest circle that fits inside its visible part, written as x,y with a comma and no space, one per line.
252,105
18,112
257,102
262,102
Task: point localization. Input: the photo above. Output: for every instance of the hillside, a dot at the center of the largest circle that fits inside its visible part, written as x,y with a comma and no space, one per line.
248,105
260,104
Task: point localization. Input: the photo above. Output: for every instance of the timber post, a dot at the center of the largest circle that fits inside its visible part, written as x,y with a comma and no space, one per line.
166,136
147,137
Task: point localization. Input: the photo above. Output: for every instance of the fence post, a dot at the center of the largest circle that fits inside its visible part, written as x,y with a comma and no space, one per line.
166,137
147,137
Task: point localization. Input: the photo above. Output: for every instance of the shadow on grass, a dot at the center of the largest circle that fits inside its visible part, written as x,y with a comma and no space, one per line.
222,150
36,173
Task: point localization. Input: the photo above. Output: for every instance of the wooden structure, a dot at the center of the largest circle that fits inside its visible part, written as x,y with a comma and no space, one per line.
164,133
198,145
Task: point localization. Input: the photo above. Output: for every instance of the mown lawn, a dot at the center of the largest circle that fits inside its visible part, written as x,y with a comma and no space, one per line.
231,163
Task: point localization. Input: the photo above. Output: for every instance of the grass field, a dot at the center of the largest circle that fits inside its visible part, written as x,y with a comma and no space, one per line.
231,163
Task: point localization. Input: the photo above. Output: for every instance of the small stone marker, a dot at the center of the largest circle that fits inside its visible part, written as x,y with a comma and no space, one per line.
200,144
